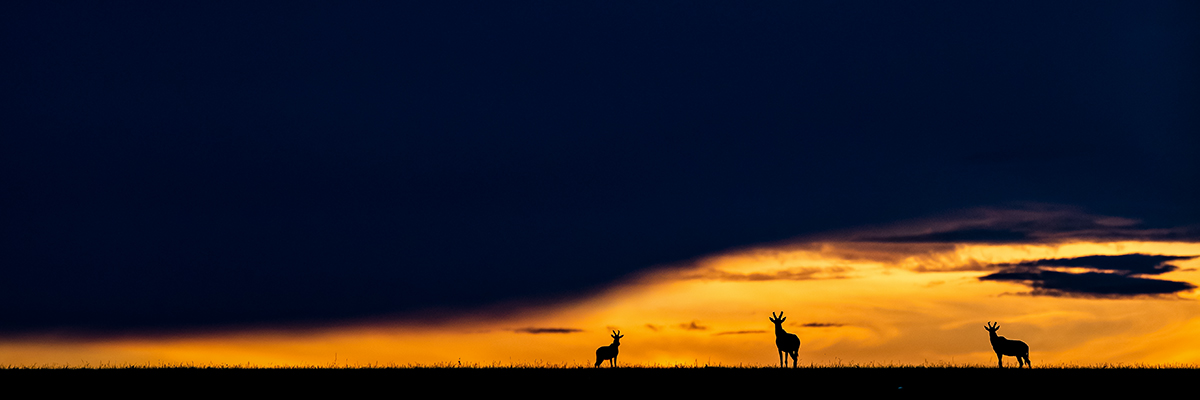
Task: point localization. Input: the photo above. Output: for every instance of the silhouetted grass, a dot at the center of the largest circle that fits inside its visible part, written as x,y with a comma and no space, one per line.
696,379
537,365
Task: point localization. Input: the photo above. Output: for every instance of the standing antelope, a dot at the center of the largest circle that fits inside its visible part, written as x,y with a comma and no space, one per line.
609,352
786,343
1006,347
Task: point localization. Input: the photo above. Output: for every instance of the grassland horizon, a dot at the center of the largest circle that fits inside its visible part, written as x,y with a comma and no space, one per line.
457,365
469,379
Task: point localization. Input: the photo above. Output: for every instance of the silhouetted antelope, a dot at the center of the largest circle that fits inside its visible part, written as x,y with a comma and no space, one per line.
786,343
1005,347
609,352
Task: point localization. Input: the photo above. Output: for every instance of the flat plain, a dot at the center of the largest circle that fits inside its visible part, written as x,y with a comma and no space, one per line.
618,382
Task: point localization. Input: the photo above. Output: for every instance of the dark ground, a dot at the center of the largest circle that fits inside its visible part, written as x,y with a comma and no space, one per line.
638,382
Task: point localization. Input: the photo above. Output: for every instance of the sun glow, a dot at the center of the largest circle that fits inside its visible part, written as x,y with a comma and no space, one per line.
847,301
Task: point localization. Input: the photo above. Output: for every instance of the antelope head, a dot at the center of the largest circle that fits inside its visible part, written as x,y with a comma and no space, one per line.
778,321
617,336
992,327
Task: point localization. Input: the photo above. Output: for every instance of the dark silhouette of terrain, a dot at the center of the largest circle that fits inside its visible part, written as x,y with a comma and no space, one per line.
609,352
673,382
1007,347
786,343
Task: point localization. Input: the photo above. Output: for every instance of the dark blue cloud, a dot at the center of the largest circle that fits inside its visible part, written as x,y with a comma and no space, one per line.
1125,264
1116,276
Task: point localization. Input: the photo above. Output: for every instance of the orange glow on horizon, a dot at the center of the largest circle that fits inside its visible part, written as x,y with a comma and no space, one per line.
850,302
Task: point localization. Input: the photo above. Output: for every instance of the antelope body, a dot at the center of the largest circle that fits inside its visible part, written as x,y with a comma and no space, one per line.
787,343
1006,347
609,352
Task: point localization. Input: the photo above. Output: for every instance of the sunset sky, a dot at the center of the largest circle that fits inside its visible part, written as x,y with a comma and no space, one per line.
296,183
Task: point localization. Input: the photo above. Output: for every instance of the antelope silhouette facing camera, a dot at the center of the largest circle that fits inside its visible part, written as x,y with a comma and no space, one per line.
1007,347
609,352
787,343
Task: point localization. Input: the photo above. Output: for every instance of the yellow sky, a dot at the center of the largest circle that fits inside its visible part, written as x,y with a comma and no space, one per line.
847,301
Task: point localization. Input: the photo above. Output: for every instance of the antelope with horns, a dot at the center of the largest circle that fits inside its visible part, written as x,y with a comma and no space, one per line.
609,352
786,343
1006,347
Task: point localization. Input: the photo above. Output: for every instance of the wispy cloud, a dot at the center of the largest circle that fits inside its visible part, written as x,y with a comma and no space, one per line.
821,325
790,274
537,331
693,326
1030,223
738,332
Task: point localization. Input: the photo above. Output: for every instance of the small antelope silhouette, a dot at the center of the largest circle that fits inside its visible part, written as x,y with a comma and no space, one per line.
786,343
1007,347
609,352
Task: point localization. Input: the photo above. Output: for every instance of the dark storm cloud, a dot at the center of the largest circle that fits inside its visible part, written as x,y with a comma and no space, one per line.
1117,276
183,165
536,331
